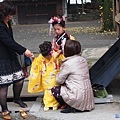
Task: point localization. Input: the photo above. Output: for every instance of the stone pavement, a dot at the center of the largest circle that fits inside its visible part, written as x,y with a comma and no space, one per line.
94,45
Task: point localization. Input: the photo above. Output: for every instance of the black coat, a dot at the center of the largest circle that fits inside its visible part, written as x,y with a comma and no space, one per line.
8,46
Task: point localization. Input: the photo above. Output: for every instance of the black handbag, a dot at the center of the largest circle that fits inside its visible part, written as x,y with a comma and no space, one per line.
24,60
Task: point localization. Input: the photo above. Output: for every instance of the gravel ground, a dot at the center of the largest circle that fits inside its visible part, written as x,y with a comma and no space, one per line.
86,32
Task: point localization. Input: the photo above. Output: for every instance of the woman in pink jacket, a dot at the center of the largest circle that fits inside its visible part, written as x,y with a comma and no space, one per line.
75,91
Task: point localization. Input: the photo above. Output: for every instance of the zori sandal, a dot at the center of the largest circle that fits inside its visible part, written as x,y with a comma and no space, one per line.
23,114
6,115
46,108
55,108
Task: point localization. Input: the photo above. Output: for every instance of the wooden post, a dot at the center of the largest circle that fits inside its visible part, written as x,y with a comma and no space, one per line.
113,4
118,11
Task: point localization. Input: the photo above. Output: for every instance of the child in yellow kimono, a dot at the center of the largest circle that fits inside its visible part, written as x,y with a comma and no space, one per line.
49,64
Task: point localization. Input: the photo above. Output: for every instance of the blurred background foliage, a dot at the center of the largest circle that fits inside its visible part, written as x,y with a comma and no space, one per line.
97,9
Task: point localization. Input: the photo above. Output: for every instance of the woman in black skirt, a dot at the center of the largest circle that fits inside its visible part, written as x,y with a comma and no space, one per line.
10,69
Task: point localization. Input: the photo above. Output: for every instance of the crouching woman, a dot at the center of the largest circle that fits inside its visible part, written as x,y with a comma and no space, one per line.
75,91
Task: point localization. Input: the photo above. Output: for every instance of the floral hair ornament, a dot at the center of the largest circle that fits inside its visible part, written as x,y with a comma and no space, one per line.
56,19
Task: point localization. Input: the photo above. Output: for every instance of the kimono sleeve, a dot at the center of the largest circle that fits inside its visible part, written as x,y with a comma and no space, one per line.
35,78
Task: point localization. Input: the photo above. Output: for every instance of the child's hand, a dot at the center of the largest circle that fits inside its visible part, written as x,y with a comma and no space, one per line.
58,53
56,47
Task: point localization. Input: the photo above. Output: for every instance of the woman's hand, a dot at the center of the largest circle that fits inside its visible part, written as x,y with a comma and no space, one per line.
28,53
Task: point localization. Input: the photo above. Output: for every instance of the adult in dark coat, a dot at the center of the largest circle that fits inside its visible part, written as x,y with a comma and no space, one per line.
10,69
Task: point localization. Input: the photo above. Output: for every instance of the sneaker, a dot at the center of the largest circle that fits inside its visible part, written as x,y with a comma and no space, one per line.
46,108
55,108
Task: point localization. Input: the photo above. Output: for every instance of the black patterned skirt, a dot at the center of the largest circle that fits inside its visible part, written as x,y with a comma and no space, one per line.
10,71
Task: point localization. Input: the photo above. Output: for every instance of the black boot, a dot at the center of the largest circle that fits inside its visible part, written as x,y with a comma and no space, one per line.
69,109
21,103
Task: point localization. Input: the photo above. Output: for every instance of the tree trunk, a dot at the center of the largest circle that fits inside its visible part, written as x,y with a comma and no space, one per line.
82,6
107,15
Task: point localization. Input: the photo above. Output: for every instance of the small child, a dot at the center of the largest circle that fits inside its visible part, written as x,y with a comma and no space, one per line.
49,66
61,35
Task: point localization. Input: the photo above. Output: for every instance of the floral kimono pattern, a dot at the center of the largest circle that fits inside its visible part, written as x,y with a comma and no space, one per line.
47,79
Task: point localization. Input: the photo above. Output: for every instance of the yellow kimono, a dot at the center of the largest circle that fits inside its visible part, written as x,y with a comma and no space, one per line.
47,71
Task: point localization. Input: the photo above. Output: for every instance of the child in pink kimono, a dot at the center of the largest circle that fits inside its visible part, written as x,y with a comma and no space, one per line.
61,35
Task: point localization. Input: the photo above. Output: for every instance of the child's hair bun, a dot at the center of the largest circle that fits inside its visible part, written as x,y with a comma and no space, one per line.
45,48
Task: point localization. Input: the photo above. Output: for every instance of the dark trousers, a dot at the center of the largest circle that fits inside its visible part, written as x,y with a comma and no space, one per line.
56,93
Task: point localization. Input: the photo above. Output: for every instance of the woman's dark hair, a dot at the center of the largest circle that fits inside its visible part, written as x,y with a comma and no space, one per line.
45,48
72,47
6,8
